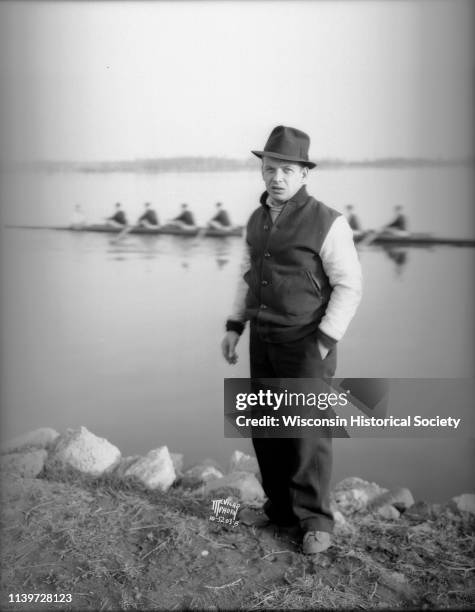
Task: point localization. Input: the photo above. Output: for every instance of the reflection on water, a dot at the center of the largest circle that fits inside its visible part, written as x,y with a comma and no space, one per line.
222,250
186,249
399,255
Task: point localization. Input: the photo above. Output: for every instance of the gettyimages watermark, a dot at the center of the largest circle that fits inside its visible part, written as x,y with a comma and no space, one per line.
350,407
225,511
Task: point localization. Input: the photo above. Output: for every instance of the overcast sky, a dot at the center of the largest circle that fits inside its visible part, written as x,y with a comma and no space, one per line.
110,80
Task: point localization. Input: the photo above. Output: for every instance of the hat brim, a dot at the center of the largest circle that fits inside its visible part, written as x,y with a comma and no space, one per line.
297,160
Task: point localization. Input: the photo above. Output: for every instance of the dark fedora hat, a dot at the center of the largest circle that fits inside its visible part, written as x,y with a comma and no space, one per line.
288,144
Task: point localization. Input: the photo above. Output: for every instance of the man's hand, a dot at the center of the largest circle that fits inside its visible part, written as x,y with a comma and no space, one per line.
228,346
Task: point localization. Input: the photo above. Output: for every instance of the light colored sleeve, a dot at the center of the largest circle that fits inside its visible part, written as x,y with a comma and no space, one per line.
342,266
238,309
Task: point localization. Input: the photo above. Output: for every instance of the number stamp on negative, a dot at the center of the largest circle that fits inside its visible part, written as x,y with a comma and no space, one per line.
40,598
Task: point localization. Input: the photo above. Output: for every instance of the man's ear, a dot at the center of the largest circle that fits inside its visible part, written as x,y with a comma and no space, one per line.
304,172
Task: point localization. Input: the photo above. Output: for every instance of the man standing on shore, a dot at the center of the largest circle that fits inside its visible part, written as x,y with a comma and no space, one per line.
300,289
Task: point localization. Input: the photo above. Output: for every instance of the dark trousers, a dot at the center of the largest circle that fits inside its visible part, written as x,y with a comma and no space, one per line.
295,472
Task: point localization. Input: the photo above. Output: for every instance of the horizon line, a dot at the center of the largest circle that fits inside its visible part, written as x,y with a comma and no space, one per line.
234,160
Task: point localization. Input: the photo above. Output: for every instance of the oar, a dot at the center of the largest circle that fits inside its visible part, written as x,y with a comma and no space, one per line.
371,237
127,229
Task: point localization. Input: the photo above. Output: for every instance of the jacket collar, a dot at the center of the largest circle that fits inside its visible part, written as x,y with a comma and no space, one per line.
298,199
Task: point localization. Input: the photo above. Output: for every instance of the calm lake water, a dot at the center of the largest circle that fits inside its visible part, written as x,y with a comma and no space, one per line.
125,339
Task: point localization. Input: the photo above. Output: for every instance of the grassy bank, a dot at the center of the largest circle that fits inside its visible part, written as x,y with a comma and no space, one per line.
116,546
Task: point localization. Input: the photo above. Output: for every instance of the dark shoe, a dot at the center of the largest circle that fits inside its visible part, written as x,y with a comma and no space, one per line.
315,542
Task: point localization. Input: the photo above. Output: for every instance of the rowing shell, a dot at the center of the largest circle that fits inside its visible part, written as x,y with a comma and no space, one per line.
416,240
382,239
147,231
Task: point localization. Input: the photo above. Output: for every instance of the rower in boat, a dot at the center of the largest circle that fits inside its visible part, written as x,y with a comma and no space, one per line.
394,230
118,219
185,220
78,220
149,218
353,221
221,220
398,226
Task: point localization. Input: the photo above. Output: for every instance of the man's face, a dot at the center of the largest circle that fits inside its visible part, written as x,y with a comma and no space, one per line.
282,178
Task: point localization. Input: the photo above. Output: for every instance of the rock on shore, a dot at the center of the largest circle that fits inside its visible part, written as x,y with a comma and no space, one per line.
246,484
240,462
41,438
83,451
155,470
200,474
24,465
354,494
464,503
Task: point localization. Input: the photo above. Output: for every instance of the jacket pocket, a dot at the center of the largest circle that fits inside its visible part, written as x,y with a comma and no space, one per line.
295,294
314,283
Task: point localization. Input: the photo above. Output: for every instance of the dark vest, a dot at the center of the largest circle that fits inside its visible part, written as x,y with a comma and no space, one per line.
288,288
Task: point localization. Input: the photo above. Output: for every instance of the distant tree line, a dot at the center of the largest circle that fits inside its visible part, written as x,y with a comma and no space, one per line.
218,164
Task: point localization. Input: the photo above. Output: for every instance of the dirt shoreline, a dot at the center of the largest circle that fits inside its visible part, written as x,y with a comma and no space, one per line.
115,545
